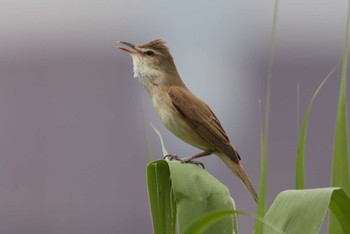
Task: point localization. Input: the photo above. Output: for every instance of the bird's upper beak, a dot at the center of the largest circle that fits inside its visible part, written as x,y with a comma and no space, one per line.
131,48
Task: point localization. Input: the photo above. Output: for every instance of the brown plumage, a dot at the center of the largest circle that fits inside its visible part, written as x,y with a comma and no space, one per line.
202,120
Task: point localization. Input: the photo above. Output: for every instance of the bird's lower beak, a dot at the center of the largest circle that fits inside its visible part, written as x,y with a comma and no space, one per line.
131,50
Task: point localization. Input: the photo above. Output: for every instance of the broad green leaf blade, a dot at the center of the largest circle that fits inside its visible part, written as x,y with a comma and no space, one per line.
300,180
163,210
303,211
201,224
198,226
197,193
340,207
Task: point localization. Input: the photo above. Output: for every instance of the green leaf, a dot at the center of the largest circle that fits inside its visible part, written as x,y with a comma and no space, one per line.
299,175
340,172
264,151
197,193
185,192
162,205
303,211
340,168
198,226
340,207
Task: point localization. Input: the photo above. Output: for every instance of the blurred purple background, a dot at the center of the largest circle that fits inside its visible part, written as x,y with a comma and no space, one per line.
72,135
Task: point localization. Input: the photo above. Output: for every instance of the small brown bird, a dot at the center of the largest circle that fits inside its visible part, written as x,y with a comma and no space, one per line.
184,114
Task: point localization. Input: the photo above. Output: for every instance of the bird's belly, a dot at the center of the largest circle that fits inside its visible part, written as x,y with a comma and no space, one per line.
183,131
177,125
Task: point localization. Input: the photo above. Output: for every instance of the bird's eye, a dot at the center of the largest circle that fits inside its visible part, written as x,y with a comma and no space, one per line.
149,53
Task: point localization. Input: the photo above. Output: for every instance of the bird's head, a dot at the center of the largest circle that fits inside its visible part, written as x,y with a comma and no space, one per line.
150,59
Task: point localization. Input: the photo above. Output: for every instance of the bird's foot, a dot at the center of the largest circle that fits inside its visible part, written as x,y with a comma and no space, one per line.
171,157
183,160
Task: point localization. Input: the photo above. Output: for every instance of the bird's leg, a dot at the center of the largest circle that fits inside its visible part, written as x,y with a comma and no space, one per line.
200,155
172,157
190,159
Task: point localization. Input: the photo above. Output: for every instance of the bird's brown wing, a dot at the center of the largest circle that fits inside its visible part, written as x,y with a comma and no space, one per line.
200,117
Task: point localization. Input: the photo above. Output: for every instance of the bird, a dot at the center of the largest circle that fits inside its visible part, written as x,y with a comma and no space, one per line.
180,111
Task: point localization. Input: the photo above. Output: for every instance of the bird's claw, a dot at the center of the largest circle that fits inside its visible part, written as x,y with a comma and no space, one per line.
183,160
193,162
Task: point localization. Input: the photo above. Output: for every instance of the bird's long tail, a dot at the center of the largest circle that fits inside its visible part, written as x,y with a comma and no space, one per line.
238,170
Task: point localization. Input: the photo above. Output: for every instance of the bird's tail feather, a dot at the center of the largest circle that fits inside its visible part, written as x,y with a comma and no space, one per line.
238,170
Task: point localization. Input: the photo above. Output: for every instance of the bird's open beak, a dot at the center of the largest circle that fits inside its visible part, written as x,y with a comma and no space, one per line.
131,48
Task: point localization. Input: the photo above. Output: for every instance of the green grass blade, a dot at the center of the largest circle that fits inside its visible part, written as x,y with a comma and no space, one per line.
303,211
340,164
262,187
340,172
160,196
198,226
299,175
197,193
298,109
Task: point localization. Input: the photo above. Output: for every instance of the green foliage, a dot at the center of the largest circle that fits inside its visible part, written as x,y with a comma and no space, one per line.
199,225
184,192
303,211
205,221
160,196
188,196
340,170
260,212
299,174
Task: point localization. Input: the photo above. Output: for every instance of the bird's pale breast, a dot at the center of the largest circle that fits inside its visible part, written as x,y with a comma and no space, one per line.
173,121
